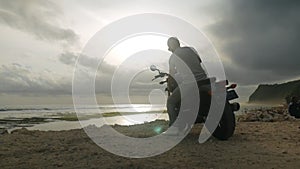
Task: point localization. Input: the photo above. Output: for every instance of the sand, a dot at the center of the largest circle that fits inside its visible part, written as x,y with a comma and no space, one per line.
254,145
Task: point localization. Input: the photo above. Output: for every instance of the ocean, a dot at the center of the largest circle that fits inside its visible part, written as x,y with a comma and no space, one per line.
64,117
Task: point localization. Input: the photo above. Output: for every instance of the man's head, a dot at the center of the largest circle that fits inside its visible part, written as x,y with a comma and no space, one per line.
173,44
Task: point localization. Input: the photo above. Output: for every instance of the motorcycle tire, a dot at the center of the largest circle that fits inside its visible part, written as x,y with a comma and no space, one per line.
226,126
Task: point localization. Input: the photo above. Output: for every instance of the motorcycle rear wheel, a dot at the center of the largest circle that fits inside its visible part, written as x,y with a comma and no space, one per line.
226,126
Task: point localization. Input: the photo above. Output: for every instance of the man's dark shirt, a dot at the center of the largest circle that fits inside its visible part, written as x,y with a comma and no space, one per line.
186,56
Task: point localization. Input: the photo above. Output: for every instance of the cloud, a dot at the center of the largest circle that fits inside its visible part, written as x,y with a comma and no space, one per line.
261,38
67,58
70,58
19,79
38,18
140,85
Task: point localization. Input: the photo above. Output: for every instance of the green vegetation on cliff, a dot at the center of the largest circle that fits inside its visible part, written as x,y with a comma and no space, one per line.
275,93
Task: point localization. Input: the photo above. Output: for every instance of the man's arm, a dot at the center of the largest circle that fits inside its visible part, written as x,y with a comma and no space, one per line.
172,70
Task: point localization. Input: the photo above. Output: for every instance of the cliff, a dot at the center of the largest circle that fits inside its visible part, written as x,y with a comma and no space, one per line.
275,93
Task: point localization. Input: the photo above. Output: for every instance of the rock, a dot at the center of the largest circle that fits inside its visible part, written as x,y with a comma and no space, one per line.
268,115
22,131
3,131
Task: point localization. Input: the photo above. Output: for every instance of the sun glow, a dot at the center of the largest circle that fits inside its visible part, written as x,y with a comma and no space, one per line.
126,48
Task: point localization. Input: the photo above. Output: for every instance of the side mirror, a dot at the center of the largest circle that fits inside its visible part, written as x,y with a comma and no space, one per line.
153,68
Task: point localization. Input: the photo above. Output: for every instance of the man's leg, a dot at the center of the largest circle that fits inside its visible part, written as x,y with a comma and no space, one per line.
172,104
186,118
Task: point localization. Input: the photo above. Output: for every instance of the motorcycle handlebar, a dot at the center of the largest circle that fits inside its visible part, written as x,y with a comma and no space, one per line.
162,82
160,75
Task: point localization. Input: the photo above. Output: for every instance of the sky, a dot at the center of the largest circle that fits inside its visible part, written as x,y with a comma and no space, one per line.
256,40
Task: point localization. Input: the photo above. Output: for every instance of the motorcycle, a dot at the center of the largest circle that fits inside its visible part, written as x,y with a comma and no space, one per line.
226,125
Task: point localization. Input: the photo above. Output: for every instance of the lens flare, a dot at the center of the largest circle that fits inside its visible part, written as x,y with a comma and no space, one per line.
158,129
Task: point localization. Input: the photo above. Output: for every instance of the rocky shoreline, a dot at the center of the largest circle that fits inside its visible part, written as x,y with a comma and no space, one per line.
276,114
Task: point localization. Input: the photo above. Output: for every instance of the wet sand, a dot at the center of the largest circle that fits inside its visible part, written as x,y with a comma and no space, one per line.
254,145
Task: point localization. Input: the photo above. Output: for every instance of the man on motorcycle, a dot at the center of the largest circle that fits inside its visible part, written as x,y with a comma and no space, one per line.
180,58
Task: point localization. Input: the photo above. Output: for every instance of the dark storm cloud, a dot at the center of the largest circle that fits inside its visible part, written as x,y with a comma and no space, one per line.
39,18
262,38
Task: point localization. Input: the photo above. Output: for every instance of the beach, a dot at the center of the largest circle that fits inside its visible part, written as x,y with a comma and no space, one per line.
254,144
